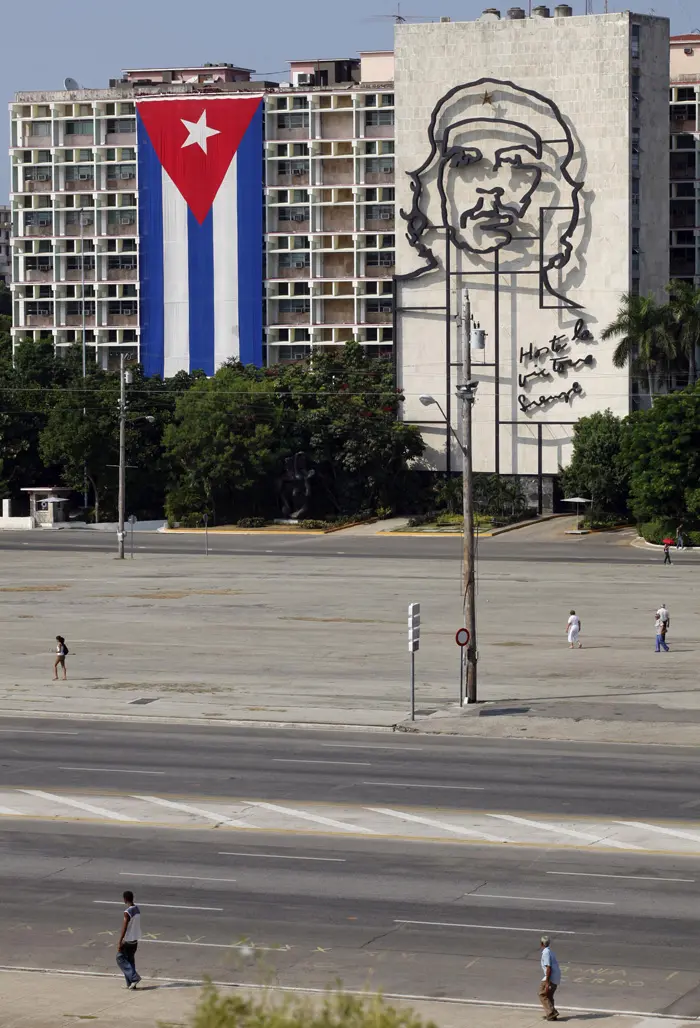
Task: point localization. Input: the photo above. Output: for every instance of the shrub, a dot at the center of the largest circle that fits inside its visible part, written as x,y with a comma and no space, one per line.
445,520
334,1010
385,512
312,524
657,530
421,519
251,523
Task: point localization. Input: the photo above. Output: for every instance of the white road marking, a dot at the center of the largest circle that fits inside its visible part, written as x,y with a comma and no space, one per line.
162,906
32,731
559,830
283,856
306,816
292,760
215,945
662,831
427,785
220,819
189,878
486,927
471,833
368,746
89,807
637,878
537,899
113,770
10,812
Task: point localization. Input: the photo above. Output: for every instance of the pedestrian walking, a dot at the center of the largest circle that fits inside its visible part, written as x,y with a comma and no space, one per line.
61,654
551,979
573,627
679,538
128,942
667,553
662,623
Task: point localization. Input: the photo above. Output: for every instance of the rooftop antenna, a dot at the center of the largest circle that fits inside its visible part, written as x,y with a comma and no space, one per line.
589,6
70,83
400,19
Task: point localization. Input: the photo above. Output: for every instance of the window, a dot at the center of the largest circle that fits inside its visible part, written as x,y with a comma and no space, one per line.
76,263
380,117
39,218
86,155
293,214
370,100
77,218
282,150
292,121
42,174
281,103
42,309
375,259
379,212
121,217
300,103
294,168
79,128
684,141
686,94
294,306
300,150
124,307
74,174
380,306
128,153
634,41
387,193
300,242
123,172
39,128
43,157
121,126
294,260
74,308
382,165
129,291
122,262
387,99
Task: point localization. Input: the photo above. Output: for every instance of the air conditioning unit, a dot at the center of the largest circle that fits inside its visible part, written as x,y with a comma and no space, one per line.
385,216
126,219
299,217
44,311
126,174
386,168
298,171
45,220
42,176
83,175
299,264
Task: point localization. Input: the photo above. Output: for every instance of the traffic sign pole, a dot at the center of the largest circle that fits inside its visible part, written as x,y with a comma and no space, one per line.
462,639
413,645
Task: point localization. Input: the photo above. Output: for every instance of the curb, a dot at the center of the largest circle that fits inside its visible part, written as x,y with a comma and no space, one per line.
323,726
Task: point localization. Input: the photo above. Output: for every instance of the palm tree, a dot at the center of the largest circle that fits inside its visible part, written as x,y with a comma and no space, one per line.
642,326
684,310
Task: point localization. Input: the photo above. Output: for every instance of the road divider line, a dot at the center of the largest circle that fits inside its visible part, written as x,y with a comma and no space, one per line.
560,830
113,770
216,945
488,927
283,856
636,878
189,878
344,763
401,815
79,805
33,731
427,785
306,816
370,746
538,899
161,906
210,815
676,832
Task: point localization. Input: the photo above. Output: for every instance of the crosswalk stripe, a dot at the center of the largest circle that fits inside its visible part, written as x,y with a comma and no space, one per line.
78,804
10,812
220,819
677,832
559,830
401,815
305,815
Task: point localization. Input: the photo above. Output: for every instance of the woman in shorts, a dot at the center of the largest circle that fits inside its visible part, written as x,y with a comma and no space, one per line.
61,654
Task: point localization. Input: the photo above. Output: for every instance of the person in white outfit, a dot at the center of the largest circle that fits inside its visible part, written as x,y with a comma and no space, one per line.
573,627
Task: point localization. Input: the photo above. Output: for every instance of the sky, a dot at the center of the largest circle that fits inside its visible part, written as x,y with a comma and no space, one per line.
94,42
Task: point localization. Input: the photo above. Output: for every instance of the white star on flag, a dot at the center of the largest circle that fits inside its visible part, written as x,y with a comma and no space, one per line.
199,132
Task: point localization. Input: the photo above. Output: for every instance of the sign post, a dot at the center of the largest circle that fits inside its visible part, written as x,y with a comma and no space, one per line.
413,645
462,639
206,535
132,522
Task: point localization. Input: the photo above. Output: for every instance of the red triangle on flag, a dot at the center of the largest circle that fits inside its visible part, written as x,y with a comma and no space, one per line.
195,140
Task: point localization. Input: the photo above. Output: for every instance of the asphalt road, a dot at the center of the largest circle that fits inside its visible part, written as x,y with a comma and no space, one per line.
563,779
410,918
606,549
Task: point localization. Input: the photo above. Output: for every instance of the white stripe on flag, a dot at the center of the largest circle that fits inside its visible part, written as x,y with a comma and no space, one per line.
176,315
225,232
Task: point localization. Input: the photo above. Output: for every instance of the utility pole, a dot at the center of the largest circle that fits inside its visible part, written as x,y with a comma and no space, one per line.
122,456
82,312
467,393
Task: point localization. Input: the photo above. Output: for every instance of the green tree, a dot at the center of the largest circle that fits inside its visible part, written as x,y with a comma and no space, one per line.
5,301
597,469
684,311
224,443
662,448
646,341
341,408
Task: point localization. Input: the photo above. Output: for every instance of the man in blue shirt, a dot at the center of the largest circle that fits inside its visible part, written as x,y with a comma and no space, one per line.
550,981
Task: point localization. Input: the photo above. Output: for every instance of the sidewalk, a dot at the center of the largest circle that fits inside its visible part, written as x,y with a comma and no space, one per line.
54,1000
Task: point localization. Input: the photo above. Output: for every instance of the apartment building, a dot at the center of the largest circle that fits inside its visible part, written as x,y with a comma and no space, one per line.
329,157
329,205
685,158
5,252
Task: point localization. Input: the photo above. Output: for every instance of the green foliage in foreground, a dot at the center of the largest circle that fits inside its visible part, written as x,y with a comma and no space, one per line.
335,1010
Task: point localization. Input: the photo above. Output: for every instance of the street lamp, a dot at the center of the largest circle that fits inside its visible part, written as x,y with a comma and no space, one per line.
466,392
122,452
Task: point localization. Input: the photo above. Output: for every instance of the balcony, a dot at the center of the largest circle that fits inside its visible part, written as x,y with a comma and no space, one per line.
380,224
76,275
38,186
38,230
76,320
379,178
302,272
378,317
120,320
126,229
122,274
292,318
681,219
39,321
338,219
379,131
36,275
293,180
338,312
121,138
379,272
337,172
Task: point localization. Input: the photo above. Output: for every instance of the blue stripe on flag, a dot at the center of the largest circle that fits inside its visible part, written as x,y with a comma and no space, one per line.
249,182
150,254
200,256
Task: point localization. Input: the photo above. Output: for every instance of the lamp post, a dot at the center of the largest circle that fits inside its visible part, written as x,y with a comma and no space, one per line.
122,453
466,392
81,221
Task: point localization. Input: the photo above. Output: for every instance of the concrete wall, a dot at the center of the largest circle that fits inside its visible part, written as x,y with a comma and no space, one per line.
583,66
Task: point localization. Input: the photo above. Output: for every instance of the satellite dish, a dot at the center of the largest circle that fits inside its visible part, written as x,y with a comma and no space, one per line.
70,83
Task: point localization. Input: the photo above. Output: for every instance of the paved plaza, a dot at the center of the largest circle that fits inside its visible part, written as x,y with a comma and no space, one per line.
271,637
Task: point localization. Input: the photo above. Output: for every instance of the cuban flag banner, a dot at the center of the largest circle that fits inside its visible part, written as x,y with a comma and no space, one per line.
200,168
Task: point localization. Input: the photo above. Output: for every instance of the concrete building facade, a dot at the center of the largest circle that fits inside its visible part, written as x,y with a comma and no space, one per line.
5,245
535,181
685,158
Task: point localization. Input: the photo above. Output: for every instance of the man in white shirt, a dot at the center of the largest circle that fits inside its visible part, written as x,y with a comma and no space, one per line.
550,981
128,942
662,624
